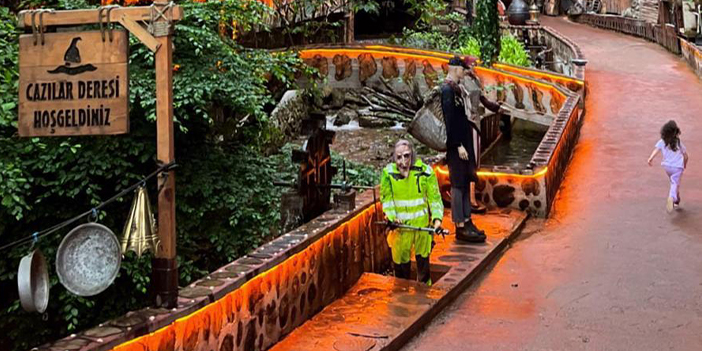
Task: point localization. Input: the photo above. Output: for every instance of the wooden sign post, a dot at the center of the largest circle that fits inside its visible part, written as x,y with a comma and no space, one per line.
160,19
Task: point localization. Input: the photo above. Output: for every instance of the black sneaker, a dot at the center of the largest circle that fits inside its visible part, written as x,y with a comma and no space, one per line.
471,226
480,236
470,236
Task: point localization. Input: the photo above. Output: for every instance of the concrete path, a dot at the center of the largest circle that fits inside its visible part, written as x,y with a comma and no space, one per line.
610,270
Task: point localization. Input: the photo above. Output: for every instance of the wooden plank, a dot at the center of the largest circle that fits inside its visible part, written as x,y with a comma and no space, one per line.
73,87
142,34
89,44
90,16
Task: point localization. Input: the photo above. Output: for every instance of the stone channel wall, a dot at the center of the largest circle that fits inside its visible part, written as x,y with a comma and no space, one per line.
541,96
534,187
563,49
253,302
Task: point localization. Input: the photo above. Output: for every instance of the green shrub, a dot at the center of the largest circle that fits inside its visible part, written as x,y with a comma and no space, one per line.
471,47
225,202
512,51
432,40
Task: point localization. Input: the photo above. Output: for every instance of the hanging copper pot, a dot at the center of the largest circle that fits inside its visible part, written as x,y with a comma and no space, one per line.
33,282
140,231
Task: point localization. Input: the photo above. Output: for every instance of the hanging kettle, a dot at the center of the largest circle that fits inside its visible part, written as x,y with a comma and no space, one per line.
33,282
140,232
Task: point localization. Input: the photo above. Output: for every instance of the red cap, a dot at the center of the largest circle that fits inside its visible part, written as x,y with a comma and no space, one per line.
470,60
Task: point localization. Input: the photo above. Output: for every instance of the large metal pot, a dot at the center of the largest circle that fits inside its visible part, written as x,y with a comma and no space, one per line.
33,282
88,259
518,13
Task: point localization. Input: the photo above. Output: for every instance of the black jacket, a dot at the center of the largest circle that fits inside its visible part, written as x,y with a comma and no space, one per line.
459,131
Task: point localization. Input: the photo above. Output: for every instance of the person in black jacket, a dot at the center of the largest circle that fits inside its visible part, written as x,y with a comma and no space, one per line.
462,152
471,89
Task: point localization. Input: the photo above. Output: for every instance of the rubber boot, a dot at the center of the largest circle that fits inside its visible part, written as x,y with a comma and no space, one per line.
423,271
402,270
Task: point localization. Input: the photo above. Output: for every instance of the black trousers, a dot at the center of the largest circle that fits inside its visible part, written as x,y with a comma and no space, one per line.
460,205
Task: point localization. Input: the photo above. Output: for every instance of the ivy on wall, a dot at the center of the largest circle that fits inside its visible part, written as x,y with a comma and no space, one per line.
487,30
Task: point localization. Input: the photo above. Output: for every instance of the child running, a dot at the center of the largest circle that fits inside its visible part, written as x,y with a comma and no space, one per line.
674,160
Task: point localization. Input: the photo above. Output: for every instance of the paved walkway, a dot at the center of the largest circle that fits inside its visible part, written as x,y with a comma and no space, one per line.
610,270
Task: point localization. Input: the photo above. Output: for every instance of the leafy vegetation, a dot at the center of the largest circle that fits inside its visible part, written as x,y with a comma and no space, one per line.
512,51
225,202
477,41
487,30
471,47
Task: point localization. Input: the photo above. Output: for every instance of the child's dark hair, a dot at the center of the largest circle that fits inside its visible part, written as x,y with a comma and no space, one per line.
669,134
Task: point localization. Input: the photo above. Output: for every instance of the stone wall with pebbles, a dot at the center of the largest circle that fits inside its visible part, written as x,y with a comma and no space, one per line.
533,189
253,302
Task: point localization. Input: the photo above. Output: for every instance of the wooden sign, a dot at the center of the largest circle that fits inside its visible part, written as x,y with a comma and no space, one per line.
74,84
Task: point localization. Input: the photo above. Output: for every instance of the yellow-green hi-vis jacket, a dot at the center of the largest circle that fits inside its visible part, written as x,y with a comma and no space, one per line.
415,201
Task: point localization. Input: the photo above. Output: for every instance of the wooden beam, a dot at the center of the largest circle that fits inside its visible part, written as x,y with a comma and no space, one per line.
142,34
165,152
90,16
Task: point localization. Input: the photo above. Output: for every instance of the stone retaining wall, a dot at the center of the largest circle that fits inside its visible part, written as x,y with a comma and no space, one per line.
693,55
563,49
662,34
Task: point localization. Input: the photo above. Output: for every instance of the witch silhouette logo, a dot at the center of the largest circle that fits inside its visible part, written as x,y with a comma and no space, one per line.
72,56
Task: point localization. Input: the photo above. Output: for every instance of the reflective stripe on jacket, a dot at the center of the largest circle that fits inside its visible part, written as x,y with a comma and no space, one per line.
414,199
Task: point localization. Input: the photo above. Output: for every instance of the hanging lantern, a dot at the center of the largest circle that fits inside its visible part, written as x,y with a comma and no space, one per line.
140,231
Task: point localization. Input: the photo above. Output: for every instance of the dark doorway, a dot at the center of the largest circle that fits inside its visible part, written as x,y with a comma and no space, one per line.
390,20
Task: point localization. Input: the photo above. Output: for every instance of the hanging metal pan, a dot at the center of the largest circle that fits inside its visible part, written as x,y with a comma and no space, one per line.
33,282
88,259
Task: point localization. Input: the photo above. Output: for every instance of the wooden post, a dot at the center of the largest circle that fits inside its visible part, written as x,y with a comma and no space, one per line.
164,278
165,270
349,35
